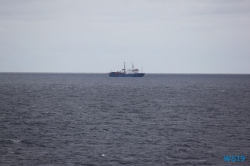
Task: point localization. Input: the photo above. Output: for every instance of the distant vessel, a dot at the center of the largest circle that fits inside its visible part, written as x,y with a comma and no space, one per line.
129,73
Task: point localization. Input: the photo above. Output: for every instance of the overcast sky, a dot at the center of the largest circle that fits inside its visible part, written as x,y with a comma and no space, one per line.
162,36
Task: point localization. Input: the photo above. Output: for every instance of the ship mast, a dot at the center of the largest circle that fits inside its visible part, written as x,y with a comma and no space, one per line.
124,68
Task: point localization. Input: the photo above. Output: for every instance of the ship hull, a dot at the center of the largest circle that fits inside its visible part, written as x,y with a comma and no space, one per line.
114,74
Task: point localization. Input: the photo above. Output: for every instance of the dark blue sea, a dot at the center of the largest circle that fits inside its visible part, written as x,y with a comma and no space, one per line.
95,120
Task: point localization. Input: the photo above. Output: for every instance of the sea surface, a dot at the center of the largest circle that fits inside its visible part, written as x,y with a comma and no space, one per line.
95,120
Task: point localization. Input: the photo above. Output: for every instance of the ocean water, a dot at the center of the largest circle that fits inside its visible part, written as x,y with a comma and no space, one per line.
91,119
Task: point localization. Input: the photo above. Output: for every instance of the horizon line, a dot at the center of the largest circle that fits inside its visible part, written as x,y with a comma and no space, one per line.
107,73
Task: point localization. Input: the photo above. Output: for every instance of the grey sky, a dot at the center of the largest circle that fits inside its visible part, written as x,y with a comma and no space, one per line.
175,36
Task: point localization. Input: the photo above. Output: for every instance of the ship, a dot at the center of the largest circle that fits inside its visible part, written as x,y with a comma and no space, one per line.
127,73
